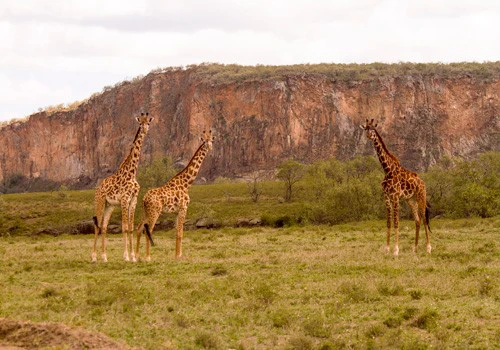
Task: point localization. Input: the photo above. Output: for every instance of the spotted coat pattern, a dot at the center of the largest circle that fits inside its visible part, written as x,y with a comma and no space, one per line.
173,198
399,183
120,189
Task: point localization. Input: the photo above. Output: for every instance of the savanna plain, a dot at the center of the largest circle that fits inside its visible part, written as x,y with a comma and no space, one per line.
285,284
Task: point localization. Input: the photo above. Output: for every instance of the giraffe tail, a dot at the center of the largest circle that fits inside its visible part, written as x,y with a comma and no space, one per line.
96,224
427,215
148,233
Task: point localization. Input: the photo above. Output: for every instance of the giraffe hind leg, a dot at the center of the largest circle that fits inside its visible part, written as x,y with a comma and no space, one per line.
104,229
426,215
412,202
395,208
100,205
388,206
97,231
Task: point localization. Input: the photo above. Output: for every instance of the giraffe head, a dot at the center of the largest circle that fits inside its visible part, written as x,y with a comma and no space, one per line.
144,120
207,138
369,127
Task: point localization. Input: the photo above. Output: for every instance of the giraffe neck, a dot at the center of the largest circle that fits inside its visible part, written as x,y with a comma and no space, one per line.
188,175
387,160
131,163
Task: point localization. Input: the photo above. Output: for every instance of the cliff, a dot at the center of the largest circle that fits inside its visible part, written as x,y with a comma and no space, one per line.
262,116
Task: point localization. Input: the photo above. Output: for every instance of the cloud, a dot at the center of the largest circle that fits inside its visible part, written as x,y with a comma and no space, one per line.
65,50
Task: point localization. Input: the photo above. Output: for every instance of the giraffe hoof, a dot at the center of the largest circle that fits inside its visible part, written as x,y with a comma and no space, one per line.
104,258
94,258
429,248
387,249
396,251
147,259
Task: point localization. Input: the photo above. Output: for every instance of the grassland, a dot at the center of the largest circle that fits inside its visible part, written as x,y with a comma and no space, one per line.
297,287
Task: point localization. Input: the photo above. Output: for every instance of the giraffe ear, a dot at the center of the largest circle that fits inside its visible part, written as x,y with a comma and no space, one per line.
138,120
151,119
362,127
375,125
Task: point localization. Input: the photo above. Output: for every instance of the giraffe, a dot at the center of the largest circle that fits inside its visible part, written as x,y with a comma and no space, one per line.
172,197
122,189
399,183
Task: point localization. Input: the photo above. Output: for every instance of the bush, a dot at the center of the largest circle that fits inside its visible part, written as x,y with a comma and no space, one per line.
156,174
459,188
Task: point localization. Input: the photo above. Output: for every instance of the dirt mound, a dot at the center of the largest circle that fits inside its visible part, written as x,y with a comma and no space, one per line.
30,335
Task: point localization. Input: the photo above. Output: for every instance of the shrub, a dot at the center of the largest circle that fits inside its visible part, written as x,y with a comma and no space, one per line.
157,173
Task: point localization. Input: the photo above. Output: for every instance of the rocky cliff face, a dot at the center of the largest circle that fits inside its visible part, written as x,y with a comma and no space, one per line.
259,122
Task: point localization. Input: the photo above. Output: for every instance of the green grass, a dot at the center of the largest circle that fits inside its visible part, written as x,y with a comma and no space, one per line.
309,287
31,213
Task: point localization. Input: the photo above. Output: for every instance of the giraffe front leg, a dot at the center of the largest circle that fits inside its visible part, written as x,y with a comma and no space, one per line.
388,206
125,204
395,206
181,218
131,215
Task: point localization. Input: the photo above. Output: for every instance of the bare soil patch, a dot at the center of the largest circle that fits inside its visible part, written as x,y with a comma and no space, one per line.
30,335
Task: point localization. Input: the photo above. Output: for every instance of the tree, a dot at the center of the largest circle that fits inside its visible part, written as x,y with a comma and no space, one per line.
157,173
290,172
253,186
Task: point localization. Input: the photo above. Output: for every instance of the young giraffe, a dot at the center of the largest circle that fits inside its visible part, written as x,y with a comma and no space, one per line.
122,189
172,197
399,183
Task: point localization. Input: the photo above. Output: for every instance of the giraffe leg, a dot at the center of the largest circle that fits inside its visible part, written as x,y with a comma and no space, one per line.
412,202
151,226
100,204
104,229
395,207
131,215
125,205
181,218
388,206
138,243
424,210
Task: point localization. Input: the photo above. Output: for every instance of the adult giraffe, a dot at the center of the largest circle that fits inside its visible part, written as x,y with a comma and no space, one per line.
172,197
399,183
122,189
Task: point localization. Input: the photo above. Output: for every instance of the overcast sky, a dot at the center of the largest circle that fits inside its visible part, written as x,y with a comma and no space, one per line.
62,51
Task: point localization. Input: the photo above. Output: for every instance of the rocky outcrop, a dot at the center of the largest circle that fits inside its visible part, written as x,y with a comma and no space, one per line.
259,121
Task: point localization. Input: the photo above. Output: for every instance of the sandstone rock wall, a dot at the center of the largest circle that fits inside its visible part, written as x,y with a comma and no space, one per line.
258,123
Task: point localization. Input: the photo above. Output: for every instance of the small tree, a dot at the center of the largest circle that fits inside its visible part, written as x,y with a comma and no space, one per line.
157,173
290,172
253,187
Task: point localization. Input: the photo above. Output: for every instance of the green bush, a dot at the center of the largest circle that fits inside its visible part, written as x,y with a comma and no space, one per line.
156,174
459,188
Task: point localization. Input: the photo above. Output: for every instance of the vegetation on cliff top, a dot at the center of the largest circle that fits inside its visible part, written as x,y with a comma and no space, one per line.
217,73
223,73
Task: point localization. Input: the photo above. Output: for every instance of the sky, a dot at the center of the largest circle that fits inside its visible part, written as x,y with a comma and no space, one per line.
62,51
